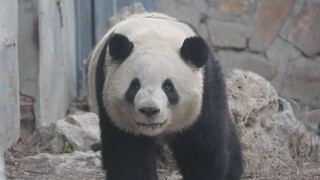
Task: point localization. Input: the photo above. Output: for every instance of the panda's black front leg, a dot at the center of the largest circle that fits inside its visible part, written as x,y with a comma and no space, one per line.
127,157
198,157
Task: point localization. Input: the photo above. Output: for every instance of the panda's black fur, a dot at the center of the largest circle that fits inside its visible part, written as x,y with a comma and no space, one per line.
207,150
210,149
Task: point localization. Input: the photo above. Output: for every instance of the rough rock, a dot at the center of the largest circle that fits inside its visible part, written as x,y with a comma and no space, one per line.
302,79
227,35
298,132
65,166
75,132
304,32
247,61
268,19
253,103
248,94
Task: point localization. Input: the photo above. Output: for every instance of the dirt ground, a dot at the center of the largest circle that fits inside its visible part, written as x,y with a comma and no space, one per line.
304,169
18,170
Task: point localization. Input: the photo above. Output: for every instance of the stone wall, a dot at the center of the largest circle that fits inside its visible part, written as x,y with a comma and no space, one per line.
278,39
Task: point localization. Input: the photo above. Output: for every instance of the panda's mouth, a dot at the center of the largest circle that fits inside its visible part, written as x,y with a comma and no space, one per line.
151,125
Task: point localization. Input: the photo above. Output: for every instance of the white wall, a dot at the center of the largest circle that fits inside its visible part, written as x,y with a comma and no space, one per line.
9,82
57,65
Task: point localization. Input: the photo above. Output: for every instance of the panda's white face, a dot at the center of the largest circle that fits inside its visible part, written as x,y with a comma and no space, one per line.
153,75
153,91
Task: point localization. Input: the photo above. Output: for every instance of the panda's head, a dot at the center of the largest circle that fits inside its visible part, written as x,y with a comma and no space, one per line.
154,87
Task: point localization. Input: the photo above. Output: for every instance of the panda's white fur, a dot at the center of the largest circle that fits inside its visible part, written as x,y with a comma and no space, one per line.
152,61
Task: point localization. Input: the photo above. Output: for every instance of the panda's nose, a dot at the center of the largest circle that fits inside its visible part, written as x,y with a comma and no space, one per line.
149,112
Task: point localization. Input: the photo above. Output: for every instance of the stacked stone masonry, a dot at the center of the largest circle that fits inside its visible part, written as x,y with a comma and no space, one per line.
278,39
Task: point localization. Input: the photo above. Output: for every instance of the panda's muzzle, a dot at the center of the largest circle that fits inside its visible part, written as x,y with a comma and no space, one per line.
149,112
152,118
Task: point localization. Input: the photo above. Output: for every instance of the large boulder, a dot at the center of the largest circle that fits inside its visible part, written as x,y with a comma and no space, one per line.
75,132
253,104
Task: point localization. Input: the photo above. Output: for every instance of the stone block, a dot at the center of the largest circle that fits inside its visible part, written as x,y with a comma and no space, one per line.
188,10
199,5
257,64
268,19
281,50
226,59
234,7
302,79
277,80
298,5
203,32
304,32
227,35
247,61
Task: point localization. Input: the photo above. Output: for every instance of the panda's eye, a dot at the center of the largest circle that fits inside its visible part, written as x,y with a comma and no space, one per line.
135,84
167,86
132,90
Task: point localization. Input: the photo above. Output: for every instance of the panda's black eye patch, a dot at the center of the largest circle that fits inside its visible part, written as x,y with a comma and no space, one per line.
132,90
170,91
135,84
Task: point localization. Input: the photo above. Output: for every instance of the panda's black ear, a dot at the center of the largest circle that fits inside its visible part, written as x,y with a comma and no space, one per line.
120,47
195,50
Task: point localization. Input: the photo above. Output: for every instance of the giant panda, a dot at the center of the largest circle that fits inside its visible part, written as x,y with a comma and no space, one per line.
154,82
